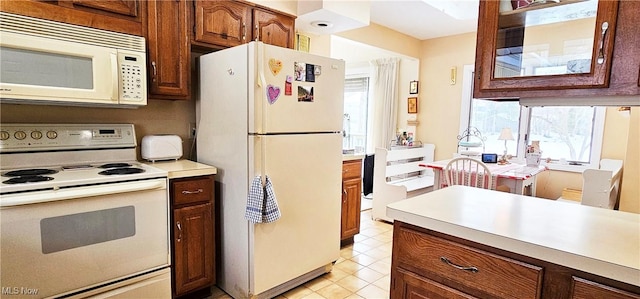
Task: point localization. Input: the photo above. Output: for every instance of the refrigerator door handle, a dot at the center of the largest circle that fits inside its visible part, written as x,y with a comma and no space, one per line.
263,162
262,82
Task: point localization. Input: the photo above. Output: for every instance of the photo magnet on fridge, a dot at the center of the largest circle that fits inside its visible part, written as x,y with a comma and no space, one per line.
287,86
305,94
300,70
311,73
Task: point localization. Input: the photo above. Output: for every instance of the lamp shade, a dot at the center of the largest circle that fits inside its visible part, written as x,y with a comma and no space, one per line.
506,134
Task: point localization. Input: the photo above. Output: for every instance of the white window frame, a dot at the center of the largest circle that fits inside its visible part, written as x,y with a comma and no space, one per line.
525,120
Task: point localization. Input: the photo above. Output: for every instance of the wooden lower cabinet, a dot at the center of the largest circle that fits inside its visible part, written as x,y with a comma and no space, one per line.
415,286
351,193
193,227
586,289
429,264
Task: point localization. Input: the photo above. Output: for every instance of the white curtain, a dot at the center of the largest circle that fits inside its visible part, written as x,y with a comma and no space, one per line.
385,95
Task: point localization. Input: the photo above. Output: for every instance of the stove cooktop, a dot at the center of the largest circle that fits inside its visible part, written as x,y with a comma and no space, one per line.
42,178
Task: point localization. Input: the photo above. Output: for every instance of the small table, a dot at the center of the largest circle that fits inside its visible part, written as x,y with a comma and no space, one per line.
518,177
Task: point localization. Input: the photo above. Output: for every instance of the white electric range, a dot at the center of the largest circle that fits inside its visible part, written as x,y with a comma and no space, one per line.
79,216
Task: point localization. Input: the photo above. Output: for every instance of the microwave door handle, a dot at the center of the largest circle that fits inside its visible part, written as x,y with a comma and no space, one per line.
114,77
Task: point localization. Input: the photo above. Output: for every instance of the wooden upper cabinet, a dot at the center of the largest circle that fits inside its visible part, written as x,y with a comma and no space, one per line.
514,52
273,29
124,16
222,23
168,50
122,7
527,52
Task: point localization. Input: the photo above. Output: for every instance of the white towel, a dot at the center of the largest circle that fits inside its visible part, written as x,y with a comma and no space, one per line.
262,206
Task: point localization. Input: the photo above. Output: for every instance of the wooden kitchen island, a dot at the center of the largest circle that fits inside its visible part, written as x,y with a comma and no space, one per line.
463,242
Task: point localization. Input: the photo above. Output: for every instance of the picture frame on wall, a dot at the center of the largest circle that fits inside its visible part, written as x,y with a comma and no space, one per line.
302,43
412,105
413,87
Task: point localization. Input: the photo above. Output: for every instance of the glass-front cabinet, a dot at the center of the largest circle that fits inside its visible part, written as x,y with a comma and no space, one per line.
544,44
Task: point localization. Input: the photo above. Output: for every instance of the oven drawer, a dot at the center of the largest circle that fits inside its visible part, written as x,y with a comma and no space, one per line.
191,190
468,269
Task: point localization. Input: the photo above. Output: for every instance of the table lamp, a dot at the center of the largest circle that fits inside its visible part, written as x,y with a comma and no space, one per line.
505,135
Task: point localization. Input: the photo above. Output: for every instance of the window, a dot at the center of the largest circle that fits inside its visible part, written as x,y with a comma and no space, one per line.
354,122
570,136
490,117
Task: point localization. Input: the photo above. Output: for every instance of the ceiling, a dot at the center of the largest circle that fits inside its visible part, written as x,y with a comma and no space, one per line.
425,19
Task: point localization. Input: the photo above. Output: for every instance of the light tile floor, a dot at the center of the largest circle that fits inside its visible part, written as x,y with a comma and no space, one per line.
362,271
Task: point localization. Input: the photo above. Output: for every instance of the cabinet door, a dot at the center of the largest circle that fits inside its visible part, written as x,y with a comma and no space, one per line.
351,190
273,29
527,49
411,285
223,23
122,7
124,16
168,49
585,289
193,248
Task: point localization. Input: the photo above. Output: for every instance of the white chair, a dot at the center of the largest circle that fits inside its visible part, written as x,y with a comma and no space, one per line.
468,172
600,187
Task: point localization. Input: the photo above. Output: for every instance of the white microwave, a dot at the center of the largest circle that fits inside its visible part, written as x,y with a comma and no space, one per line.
47,62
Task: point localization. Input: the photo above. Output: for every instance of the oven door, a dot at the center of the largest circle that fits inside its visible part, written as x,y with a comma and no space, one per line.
82,237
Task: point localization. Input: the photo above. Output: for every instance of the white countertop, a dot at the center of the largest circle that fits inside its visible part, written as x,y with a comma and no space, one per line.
595,240
183,168
349,157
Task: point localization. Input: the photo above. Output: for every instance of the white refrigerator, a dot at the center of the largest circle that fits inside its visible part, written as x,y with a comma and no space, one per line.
269,111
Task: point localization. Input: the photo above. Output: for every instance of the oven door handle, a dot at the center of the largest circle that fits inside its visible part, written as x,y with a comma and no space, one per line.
17,199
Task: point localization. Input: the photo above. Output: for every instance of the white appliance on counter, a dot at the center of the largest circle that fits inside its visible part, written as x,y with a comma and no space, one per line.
79,216
47,62
274,112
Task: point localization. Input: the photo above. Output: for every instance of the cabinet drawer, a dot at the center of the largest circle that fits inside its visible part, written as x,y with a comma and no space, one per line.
191,190
351,169
465,268
586,289
415,286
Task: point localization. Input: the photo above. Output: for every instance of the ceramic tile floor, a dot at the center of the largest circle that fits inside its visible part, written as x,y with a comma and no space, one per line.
362,271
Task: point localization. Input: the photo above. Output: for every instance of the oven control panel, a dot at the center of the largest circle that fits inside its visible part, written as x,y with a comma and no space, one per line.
47,137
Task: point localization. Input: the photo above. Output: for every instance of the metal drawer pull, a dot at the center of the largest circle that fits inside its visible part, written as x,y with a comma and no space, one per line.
179,231
448,262
192,192
605,26
155,71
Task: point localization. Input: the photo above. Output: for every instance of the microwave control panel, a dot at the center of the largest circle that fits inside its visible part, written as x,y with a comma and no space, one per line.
132,74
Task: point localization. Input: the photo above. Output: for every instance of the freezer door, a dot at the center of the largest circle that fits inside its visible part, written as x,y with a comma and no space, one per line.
311,102
305,171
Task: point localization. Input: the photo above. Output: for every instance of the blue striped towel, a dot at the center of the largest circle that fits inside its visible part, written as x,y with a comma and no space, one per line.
271,211
262,206
255,200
